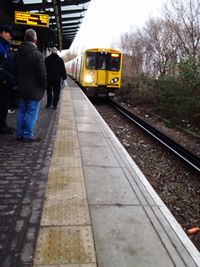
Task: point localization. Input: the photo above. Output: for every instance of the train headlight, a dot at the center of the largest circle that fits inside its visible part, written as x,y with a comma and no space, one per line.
114,80
89,79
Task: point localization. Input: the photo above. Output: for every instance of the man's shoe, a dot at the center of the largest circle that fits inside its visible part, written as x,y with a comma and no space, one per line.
47,106
31,140
6,130
54,107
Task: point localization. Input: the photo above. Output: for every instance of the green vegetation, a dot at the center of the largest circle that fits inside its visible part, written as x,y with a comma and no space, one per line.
175,98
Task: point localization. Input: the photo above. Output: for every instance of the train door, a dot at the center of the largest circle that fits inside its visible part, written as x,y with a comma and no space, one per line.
102,67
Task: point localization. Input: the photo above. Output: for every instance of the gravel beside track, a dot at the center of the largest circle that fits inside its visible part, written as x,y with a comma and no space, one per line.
176,184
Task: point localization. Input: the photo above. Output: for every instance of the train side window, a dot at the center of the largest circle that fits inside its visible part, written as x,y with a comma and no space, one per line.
90,60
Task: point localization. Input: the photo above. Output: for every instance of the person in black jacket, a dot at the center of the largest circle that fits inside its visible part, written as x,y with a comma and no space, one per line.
55,72
31,79
7,77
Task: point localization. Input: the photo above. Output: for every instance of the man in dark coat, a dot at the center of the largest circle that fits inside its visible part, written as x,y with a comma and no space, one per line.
7,78
31,80
55,71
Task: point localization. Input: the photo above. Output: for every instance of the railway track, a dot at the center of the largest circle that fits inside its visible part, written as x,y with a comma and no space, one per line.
184,154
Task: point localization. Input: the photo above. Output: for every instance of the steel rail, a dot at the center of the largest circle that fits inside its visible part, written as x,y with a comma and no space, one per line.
184,154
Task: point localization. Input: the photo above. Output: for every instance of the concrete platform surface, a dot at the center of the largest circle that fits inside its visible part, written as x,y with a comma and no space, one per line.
130,225
84,202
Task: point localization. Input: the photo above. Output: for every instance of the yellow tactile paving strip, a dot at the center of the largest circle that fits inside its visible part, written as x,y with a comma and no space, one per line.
65,237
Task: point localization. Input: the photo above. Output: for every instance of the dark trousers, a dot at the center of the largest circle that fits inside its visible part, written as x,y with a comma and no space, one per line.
53,93
4,104
13,101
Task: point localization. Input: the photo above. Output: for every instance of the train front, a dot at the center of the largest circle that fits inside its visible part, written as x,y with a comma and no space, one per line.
101,74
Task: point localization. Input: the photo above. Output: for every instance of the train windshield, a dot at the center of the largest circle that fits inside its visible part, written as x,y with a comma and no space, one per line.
103,61
91,60
114,61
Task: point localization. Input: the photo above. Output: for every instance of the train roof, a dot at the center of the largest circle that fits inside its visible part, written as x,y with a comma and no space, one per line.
102,50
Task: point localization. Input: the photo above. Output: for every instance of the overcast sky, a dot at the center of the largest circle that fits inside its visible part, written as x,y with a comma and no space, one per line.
105,20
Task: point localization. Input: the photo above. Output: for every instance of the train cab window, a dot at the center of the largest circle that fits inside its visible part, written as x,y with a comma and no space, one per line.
90,60
102,61
114,62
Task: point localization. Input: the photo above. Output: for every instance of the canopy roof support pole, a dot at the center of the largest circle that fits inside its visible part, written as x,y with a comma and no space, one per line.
57,11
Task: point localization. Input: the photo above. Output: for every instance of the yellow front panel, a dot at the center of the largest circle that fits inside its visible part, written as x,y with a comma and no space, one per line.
102,77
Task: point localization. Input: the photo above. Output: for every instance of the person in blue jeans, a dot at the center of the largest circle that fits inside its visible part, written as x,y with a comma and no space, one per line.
32,82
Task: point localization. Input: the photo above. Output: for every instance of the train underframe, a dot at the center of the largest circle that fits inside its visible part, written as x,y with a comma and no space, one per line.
100,91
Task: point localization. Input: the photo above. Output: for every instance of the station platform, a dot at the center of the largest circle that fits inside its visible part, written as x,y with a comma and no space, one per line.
77,199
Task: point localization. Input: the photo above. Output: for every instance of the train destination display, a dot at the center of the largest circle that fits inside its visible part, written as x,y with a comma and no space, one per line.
34,19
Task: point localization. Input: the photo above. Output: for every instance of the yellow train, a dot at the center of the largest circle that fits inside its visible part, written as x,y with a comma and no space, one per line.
97,70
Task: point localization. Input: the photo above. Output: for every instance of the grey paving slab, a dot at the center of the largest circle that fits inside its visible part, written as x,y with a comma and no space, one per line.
81,108
81,105
107,185
142,192
125,237
92,139
170,236
119,156
85,119
77,97
82,113
88,127
98,156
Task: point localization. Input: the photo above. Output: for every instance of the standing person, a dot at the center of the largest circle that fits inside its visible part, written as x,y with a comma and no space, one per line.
7,78
55,71
31,80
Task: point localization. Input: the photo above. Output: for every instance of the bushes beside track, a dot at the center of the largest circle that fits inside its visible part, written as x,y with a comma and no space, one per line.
174,97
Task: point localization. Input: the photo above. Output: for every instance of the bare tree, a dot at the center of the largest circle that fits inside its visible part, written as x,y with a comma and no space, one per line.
161,46
153,50
156,49
131,44
184,19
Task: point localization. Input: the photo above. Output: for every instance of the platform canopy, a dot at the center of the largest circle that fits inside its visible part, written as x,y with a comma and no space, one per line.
64,19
